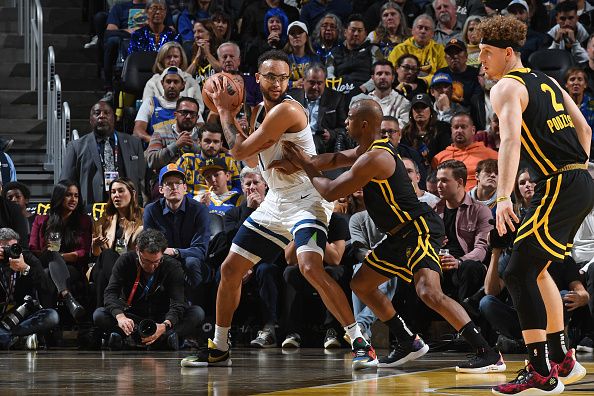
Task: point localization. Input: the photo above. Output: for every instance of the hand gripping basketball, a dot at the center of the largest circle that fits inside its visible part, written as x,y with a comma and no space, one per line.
223,91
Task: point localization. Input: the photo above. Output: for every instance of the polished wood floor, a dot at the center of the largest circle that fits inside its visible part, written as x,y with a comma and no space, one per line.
301,372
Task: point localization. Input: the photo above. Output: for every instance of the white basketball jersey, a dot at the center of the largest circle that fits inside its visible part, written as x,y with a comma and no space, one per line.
304,139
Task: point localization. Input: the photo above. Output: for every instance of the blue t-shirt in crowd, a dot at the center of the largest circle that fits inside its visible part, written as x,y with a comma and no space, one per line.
127,15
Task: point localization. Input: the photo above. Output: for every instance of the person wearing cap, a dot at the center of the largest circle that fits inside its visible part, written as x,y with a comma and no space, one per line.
568,33
442,91
185,224
465,81
301,53
98,158
448,26
534,40
393,103
218,198
159,110
154,34
425,133
314,10
430,54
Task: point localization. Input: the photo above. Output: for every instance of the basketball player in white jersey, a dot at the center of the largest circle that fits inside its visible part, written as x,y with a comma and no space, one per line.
292,210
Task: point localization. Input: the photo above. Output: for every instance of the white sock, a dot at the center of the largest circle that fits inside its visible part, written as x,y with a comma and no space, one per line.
354,331
221,338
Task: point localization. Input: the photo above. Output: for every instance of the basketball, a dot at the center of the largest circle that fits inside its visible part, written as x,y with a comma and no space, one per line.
233,94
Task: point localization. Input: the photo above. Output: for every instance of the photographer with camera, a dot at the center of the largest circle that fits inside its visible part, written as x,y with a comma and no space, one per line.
145,298
21,276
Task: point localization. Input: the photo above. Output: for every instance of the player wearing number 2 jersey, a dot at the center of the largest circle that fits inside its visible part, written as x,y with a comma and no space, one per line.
540,122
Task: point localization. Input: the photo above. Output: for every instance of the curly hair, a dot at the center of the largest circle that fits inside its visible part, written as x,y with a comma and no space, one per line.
506,28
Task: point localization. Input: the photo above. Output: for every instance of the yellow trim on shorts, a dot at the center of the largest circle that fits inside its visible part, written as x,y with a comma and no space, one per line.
401,272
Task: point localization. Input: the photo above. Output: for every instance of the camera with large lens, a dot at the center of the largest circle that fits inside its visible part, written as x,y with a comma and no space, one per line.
147,328
11,252
16,315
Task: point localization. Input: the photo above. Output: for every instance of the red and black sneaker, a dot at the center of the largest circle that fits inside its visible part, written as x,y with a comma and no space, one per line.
363,355
529,382
570,370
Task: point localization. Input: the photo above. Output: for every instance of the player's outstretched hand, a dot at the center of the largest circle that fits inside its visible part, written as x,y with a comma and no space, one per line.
295,154
505,217
284,165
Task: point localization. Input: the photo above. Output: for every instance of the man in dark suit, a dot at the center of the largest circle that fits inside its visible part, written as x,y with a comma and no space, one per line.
326,108
98,158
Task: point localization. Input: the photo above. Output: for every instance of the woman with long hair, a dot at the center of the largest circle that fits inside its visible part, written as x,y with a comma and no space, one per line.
300,52
116,231
392,29
424,132
327,35
204,48
472,39
62,240
223,26
523,191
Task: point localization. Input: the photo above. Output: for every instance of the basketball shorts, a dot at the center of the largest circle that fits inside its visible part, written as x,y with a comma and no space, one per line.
414,247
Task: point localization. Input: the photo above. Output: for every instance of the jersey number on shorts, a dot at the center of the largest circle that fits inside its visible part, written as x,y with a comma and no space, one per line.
556,105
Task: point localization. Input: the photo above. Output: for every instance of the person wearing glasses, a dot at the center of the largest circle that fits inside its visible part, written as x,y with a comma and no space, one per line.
98,158
155,33
186,226
151,284
407,71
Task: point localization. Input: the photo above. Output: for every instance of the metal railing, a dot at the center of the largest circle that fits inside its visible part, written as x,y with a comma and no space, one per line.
58,119
30,24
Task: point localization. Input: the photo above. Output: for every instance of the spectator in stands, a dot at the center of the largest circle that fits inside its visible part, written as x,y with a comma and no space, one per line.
350,65
466,8
62,241
448,26
254,26
229,55
391,30
7,169
490,137
392,102
465,82
211,146
431,183
301,53
218,198
430,54
159,110
20,194
534,40
313,11
162,300
568,33
115,232
467,228
265,276
409,84
588,65
170,141
373,15
576,84
194,11
464,148
185,224
442,91
223,26
27,279
523,191
471,38
172,54
412,168
204,61
326,109
485,191
482,110
425,132
98,158
123,20
154,34
327,36
297,285
390,129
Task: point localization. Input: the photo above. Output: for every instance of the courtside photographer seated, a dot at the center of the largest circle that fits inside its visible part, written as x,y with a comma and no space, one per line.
21,276
144,300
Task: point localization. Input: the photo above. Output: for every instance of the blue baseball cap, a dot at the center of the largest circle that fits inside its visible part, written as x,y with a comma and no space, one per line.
441,78
169,169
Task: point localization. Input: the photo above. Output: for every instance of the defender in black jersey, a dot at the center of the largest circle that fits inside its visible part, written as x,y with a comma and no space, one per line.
539,121
414,236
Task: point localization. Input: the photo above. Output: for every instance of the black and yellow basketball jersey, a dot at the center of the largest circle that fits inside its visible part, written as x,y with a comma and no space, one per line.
392,202
549,138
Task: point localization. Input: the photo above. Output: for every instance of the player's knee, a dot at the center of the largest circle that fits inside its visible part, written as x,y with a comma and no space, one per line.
430,296
231,273
310,271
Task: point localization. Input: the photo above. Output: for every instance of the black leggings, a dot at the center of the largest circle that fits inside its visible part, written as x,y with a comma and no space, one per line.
102,272
63,276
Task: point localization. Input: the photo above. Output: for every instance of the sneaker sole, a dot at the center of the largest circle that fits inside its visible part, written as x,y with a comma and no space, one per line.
493,368
332,344
360,365
290,344
411,356
190,363
582,348
258,345
535,391
577,373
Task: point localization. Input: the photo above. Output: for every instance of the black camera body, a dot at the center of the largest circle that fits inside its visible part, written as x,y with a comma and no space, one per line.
146,328
11,252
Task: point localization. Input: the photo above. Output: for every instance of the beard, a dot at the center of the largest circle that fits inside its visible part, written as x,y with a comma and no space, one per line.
280,98
444,18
